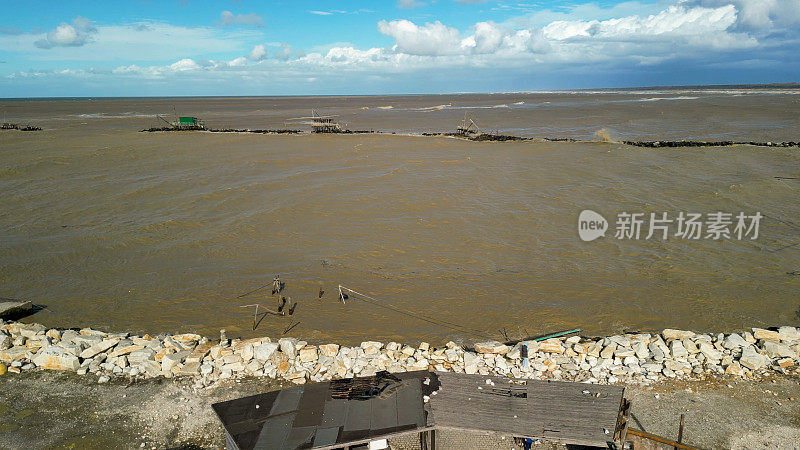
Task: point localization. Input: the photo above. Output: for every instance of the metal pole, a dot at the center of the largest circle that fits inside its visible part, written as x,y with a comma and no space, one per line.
557,334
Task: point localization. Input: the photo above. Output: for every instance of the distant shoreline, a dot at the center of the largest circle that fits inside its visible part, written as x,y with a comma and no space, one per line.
599,90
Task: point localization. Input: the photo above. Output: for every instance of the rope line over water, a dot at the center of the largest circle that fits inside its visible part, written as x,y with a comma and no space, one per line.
441,323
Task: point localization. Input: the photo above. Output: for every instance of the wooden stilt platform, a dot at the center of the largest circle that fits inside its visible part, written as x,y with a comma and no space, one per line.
355,411
555,411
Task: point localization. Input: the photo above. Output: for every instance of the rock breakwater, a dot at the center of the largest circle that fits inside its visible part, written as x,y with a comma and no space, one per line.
632,358
660,144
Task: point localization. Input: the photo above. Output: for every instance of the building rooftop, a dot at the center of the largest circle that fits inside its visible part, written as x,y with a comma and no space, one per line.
359,410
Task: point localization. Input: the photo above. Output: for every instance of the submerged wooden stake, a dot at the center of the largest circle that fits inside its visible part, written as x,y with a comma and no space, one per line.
266,311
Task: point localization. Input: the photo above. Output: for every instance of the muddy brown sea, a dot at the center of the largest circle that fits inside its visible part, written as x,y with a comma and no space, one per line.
162,232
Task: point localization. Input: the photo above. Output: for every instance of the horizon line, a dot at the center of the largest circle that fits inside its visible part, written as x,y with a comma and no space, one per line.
786,85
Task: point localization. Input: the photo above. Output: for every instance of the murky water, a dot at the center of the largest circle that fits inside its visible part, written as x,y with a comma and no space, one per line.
158,232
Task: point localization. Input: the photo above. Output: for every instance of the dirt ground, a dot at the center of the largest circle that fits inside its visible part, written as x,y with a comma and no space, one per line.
64,411
730,413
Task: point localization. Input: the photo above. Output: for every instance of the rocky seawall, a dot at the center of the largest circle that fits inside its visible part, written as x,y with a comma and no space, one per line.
632,358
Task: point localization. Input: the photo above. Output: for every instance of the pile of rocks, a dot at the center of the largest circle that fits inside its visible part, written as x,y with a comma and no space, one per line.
621,358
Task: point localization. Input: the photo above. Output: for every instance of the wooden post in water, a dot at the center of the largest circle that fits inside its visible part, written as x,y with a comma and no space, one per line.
276,285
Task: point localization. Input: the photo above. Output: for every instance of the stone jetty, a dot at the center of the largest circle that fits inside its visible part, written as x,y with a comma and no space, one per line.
627,358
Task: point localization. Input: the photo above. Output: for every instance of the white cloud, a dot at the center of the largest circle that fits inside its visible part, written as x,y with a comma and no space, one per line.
258,53
677,31
66,35
284,53
759,15
669,33
429,39
704,32
227,19
139,41
409,4
675,20
83,24
488,38
331,12
184,65
238,62
537,17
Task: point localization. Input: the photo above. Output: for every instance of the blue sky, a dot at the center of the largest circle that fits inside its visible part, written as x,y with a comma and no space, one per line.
151,48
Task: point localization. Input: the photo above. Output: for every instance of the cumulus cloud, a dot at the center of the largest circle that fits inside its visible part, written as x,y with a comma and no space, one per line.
488,37
643,38
429,39
238,62
181,67
675,20
436,39
758,15
66,35
228,19
134,42
284,53
589,39
677,31
184,65
258,53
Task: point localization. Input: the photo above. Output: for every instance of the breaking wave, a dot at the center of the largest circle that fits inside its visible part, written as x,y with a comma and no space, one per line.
434,108
655,99
126,115
603,135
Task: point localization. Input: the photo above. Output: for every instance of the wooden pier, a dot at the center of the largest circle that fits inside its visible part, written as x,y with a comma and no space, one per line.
554,411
